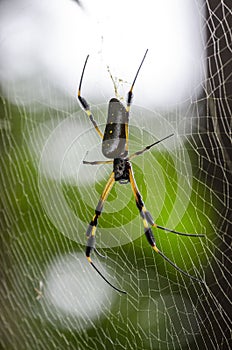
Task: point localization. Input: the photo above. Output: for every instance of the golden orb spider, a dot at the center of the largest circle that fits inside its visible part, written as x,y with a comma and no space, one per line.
115,147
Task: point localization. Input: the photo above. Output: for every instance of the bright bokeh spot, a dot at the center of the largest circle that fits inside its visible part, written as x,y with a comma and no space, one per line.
74,289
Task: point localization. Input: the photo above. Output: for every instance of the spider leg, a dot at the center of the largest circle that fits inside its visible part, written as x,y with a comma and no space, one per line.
130,94
147,215
148,147
96,162
91,229
85,104
177,232
129,99
90,232
147,219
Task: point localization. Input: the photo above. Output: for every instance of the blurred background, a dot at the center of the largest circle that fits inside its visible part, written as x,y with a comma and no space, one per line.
50,297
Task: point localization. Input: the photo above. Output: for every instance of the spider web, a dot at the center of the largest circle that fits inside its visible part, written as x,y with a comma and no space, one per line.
50,297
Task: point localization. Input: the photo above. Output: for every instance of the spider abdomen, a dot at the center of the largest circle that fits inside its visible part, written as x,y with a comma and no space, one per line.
114,143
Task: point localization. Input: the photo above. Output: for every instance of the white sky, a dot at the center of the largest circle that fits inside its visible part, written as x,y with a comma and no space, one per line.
44,44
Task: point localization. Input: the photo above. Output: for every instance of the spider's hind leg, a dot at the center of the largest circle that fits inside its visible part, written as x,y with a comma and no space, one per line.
91,229
148,220
90,232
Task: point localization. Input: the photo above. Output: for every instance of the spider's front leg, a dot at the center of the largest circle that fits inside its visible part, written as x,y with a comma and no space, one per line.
130,93
85,104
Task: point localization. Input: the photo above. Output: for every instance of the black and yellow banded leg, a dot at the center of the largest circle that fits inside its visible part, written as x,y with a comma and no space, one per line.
148,220
90,232
144,213
85,104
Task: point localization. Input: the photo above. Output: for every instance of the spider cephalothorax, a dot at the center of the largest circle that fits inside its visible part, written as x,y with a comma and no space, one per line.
121,170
